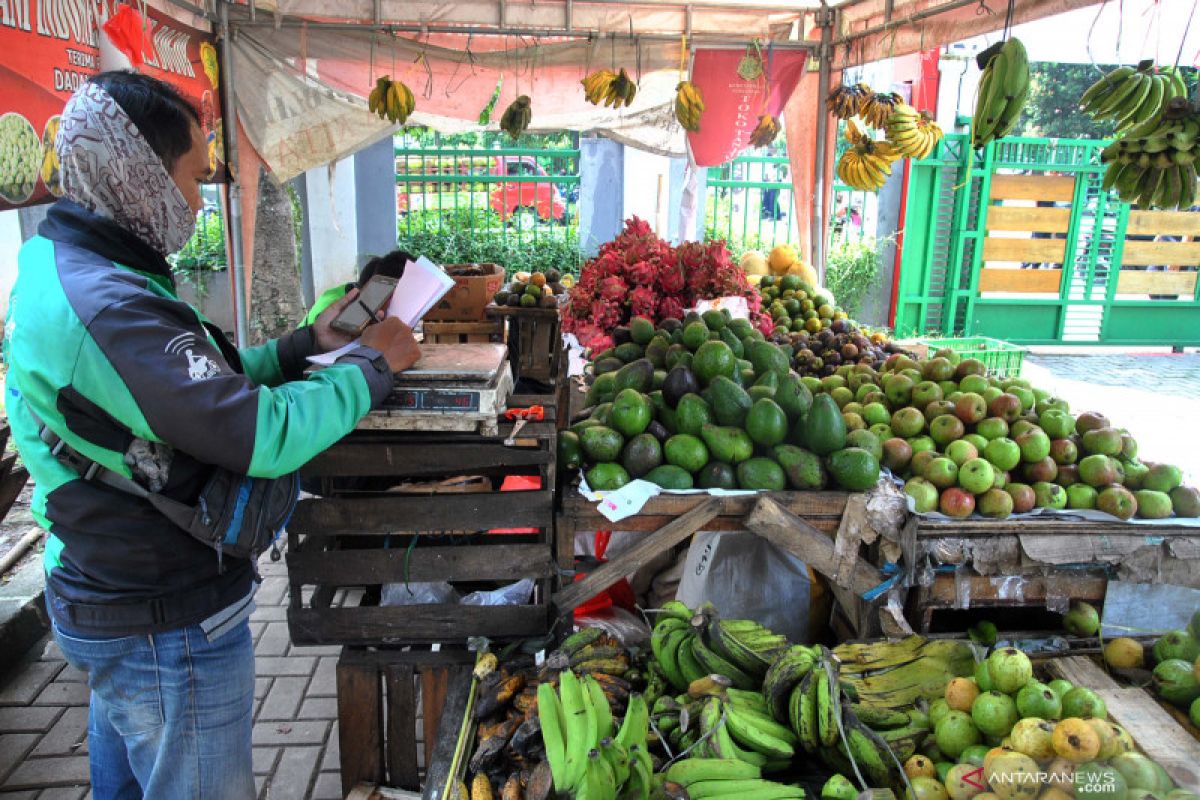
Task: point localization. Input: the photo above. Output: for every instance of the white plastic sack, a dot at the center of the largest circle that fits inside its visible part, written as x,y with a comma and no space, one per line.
747,577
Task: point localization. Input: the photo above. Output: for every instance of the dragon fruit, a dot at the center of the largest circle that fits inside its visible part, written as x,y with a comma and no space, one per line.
642,273
642,302
670,308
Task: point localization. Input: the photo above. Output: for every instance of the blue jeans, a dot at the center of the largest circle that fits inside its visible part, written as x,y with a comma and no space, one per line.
170,715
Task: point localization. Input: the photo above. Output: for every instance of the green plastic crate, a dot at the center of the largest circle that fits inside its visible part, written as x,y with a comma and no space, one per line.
1002,359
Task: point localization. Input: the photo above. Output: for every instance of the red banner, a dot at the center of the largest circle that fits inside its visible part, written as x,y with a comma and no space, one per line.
738,87
50,47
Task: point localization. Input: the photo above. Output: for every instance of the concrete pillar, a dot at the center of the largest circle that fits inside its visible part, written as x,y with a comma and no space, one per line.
375,192
332,225
307,291
681,229
601,192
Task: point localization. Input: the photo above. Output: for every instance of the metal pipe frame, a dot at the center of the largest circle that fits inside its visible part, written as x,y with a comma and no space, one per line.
825,56
916,16
237,257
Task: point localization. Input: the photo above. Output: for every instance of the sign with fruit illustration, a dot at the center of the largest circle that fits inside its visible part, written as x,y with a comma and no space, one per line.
51,48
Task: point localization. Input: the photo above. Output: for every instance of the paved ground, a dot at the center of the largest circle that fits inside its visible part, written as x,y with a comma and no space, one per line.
1156,397
43,716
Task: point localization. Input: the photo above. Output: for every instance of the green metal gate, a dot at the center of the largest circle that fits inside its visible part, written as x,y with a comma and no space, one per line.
1019,242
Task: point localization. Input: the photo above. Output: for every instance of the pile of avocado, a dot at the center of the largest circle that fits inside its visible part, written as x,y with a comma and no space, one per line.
706,402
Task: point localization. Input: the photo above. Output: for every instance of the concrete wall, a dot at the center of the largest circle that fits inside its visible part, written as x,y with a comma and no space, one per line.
213,297
601,193
375,191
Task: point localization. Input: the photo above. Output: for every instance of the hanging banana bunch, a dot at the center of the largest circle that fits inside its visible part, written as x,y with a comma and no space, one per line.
391,100
596,85
516,117
1002,91
621,90
689,105
847,101
766,131
914,133
867,165
876,109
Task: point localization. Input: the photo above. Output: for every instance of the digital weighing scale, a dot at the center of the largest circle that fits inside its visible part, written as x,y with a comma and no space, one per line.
453,387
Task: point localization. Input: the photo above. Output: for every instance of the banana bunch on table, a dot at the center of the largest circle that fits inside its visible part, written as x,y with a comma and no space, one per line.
1133,96
391,100
688,646
1002,91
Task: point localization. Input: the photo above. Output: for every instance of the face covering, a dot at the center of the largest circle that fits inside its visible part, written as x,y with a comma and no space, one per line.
110,169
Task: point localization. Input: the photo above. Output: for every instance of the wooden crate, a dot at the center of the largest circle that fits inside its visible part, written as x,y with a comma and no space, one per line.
535,347
1046,563
358,534
381,693
463,332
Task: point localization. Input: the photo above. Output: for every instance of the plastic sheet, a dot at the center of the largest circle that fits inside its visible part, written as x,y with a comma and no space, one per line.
631,629
417,594
515,594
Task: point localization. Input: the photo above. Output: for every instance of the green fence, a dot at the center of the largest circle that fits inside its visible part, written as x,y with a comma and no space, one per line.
1019,242
750,203
486,201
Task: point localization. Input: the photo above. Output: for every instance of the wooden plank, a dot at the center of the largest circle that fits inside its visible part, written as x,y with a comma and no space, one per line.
1163,223
649,524
402,727
1034,251
10,488
636,556
1015,590
464,512
1033,187
804,504
1171,254
447,622
502,561
791,533
1158,735
434,685
1143,282
350,459
1018,218
454,709
5,432
360,722
1062,526
1031,281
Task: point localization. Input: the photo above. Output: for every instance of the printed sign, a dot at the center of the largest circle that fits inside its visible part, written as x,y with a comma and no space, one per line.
51,47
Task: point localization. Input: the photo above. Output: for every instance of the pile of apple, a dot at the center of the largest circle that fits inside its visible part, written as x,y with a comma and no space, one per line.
966,442
1003,735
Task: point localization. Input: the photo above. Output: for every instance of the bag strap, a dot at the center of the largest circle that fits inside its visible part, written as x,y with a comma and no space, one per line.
183,515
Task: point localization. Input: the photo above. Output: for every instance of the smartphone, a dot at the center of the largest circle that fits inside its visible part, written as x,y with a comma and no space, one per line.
362,310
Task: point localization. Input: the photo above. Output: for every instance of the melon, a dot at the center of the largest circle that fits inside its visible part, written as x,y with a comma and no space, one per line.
753,263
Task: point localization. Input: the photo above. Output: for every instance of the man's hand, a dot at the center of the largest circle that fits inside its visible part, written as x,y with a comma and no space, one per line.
326,337
395,341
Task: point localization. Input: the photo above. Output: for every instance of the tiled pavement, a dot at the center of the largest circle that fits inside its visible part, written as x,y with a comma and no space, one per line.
43,715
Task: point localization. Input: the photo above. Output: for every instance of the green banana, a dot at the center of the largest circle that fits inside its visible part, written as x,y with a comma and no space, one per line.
617,757
867,756
689,666
579,729
678,610
1127,88
827,706
879,719
747,699
724,746
782,677
760,733
668,656
549,715
636,724
713,663
727,644
758,788
580,639
603,711
695,770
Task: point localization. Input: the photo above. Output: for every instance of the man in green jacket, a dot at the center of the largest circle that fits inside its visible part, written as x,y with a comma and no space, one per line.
111,376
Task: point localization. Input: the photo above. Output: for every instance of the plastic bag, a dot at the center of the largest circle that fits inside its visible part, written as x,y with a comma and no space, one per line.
631,629
417,594
747,577
515,594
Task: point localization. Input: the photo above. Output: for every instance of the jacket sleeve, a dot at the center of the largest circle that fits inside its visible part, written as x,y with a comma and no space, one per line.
279,360
191,399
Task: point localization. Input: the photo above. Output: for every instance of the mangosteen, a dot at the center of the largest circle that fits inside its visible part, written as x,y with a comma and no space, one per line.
834,358
815,363
838,326
849,352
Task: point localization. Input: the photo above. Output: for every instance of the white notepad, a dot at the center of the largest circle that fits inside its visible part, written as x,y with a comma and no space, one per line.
423,284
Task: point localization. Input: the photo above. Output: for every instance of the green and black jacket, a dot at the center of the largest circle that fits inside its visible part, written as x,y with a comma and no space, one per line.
100,347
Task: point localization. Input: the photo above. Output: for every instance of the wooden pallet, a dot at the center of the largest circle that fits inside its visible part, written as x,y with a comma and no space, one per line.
535,347
359,534
1158,733
463,332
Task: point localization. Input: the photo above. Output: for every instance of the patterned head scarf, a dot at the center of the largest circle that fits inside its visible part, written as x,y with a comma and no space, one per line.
110,169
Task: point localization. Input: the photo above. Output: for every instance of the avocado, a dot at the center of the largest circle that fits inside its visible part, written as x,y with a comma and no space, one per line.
761,393
606,365
824,427
602,390
735,344
601,443
761,473
692,414
766,423
675,354
637,375
603,413
686,451
714,319
730,402
642,453
579,427
607,476
570,451
609,353
670,324
630,412
768,380
660,378
695,334
867,441
628,352
793,397
713,359
680,381
727,444
767,357
854,469
669,476
804,470
656,352
621,335
641,330
717,475
740,328
658,431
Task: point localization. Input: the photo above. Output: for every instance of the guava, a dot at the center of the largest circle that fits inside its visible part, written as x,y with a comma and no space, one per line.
1010,669
994,713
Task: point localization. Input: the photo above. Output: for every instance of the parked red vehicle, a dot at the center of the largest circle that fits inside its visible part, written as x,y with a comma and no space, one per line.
516,200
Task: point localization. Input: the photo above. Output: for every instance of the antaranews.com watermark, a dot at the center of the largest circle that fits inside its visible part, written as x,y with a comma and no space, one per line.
1086,784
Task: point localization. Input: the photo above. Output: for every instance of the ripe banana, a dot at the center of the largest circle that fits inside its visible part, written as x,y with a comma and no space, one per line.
689,105
878,107
391,100
913,134
1003,90
595,85
865,166
847,101
481,787
766,131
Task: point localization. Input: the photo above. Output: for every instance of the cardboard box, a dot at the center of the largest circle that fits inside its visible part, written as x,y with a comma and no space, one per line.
470,295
